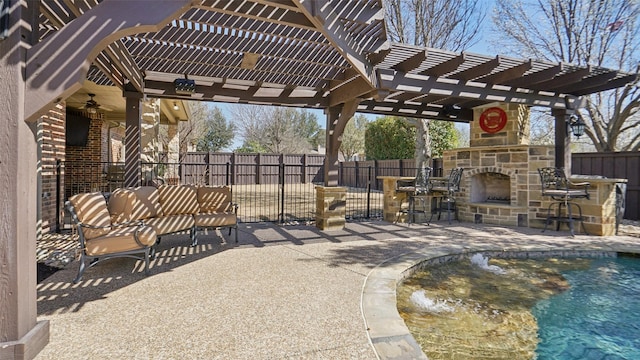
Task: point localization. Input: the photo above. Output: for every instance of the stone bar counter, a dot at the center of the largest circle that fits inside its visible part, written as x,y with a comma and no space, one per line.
393,201
599,211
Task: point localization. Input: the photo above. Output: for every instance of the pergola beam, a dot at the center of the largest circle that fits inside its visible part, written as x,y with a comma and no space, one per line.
326,21
473,91
48,62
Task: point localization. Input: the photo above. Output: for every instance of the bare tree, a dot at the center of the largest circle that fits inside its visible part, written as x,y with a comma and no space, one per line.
190,131
603,33
276,129
445,24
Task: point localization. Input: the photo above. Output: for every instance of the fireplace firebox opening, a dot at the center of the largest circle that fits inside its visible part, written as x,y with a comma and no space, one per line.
491,187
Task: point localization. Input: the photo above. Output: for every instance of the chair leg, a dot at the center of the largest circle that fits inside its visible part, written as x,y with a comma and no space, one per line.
147,252
548,220
194,236
570,218
81,269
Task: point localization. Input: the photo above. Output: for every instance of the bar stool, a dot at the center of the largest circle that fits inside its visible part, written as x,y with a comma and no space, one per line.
446,189
556,186
415,190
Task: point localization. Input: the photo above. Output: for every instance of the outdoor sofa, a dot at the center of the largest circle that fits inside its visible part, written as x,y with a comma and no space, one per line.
133,220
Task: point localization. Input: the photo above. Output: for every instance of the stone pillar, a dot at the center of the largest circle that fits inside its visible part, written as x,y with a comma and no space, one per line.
173,154
21,335
331,207
149,126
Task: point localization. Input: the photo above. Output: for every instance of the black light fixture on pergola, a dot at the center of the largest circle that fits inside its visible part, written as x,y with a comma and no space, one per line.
577,126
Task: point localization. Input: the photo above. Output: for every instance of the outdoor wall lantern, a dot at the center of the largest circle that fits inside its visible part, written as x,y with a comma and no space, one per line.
577,125
175,106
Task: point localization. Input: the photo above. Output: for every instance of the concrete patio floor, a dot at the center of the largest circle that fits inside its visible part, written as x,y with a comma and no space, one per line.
283,292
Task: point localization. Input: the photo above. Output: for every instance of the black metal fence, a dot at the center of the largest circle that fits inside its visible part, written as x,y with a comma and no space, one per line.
283,192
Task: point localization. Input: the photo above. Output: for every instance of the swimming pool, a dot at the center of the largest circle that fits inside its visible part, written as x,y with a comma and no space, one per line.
546,308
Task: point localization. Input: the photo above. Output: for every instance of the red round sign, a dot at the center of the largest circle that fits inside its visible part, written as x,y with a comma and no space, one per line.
493,120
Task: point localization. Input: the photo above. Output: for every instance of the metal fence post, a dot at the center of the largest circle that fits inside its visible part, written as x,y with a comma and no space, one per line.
58,202
227,175
369,192
281,181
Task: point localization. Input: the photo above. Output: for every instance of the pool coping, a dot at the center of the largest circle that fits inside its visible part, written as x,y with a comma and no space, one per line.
387,332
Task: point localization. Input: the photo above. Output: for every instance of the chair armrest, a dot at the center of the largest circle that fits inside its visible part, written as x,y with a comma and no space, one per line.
586,184
128,224
94,226
235,207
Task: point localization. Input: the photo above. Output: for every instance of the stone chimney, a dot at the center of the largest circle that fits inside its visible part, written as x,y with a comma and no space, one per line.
499,125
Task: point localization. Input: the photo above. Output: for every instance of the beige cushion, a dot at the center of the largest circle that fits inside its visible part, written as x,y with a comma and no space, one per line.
91,209
121,239
170,224
215,219
147,203
120,205
178,199
214,198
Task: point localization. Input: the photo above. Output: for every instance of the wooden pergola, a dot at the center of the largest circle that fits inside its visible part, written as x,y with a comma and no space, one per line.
332,55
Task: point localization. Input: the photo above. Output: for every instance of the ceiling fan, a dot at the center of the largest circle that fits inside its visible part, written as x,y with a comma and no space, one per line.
92,106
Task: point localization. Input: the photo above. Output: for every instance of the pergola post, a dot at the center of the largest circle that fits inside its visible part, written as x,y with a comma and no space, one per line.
132,136
331,200
21,335
562,140
337,118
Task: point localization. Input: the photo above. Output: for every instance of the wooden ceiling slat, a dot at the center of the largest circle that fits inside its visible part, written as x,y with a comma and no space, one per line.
412,62
445,67
476,71
536,77
590,82
507,74
212,40
562,80
255,11
615,83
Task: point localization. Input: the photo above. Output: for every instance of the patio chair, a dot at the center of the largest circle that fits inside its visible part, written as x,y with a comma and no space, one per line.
560,189
101,239
446,189
415,190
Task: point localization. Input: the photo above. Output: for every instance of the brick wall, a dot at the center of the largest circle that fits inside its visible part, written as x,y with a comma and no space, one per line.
94,152
51,137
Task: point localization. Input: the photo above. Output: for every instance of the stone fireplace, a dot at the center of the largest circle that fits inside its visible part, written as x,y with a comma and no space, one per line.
500,184
500,181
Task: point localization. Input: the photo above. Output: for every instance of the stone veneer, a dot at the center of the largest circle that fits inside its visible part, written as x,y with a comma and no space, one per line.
508,152
331,207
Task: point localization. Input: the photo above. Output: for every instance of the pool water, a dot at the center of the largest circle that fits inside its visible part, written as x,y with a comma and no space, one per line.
525,309
598,318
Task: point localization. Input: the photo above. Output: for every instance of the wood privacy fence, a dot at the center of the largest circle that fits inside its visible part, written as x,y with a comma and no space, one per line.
621,165
242,169
248,169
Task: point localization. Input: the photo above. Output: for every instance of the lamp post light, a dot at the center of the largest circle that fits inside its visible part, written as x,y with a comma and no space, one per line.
577,125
